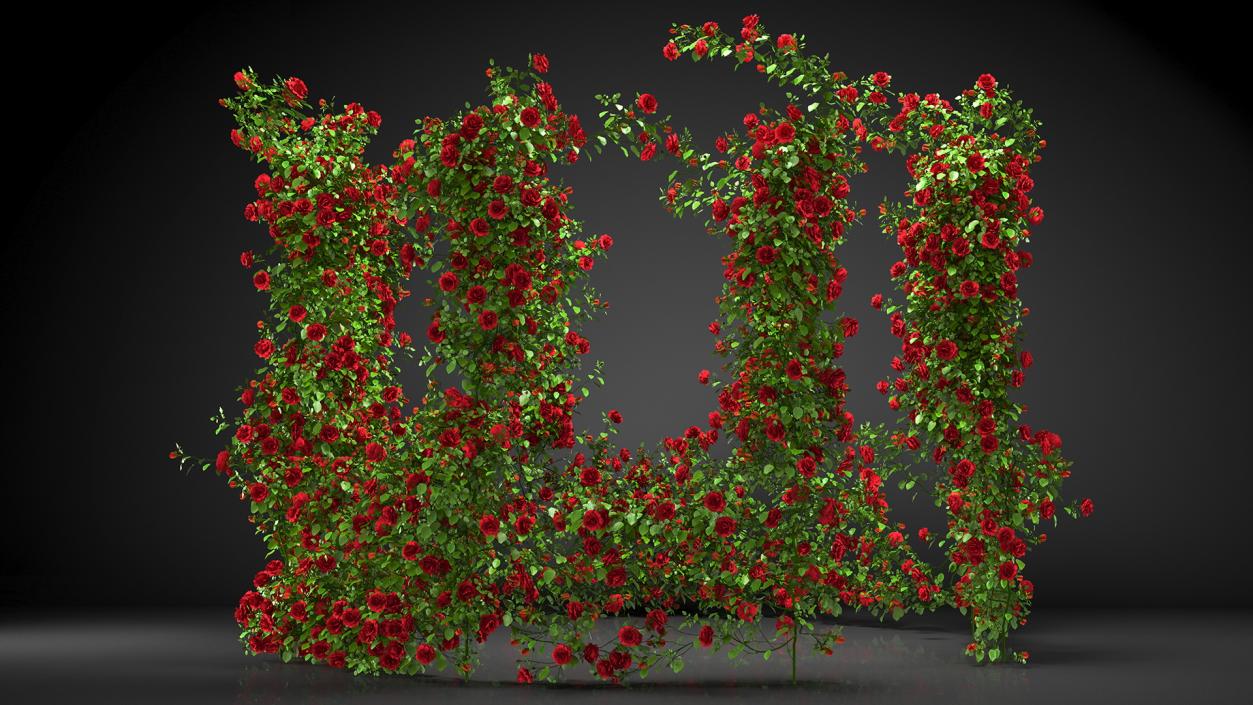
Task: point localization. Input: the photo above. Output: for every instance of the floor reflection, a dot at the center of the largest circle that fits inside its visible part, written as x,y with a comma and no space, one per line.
1105,657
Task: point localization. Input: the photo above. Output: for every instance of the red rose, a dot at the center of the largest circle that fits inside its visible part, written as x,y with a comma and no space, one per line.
593,521
448,281
670,51
562,654
434,333
261,280
806,465
497,209
374,452
488,319
647,103
410,551
630,636
489,525
297,88
989,444
479,227
706,636
766,254
946,350
297,313
724,526
715,502
775,430
1086,507
746,611
449,155
425,654
1008,570
529,116
539,62
616,577
258,492
264,348
784,132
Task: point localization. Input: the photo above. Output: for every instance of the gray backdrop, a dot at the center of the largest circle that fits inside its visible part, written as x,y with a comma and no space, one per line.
138,321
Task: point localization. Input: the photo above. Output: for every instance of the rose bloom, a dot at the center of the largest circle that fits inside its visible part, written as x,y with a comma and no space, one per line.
425,654
297,88
410,551
258,492
715,502
630,636
647,102
489,525
264,348
593,521
1086,507
448,281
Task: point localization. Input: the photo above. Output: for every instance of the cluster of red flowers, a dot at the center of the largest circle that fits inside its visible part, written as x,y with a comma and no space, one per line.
409,529
962,236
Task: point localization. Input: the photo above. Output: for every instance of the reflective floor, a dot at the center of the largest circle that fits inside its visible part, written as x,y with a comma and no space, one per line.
1077,657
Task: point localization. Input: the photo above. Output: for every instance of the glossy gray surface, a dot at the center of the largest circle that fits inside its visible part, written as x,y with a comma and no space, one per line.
1077,657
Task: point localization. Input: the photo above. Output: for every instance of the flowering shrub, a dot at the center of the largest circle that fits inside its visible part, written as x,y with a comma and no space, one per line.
406,528
961,235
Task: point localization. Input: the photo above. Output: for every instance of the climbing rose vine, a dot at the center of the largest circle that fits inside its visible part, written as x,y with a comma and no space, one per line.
962,232
405,528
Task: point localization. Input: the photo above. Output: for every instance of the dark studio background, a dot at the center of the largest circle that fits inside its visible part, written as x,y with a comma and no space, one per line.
132,320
